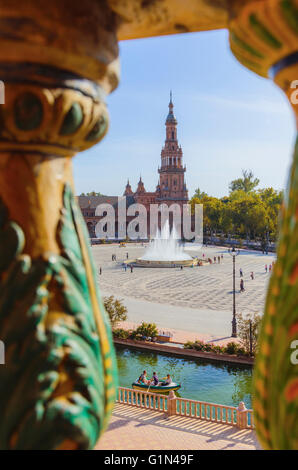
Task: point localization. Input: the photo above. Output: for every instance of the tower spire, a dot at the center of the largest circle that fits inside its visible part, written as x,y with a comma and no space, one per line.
171,119
128,189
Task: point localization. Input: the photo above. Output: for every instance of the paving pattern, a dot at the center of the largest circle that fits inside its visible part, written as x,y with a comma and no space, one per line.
206,287
133,428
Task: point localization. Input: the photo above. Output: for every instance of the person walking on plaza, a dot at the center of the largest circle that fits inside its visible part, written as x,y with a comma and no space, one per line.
241,272
242,286
214,259
218,258
131,268
266,268
270,267
126,255
100,270
252,276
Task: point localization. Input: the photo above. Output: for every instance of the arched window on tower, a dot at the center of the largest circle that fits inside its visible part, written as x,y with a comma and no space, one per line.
173,135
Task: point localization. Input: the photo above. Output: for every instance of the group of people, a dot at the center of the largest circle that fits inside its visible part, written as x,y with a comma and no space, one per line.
125,266
154,380
215,259
252,275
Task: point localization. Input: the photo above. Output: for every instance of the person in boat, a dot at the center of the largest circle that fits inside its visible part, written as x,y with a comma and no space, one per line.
167,381
155,380
142,378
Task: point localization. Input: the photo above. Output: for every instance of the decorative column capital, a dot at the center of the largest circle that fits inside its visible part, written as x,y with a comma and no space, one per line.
58,61
264,37
50,111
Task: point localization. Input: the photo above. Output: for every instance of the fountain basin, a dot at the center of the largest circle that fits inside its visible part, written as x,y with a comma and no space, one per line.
144,263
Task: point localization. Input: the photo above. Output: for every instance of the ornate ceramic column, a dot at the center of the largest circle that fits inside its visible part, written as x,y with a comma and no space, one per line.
264,37
58,60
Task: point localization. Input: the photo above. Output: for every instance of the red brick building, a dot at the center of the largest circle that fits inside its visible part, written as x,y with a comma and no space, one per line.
171,188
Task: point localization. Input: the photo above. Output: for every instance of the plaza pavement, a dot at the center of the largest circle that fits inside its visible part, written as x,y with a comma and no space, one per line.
134,428
189,301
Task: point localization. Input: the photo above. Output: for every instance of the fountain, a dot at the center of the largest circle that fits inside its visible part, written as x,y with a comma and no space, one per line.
165,251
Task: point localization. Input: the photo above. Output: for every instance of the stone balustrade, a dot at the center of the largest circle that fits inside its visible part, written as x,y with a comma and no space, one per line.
172,405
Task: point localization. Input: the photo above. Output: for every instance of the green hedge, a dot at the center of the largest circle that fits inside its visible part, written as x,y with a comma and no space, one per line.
231,348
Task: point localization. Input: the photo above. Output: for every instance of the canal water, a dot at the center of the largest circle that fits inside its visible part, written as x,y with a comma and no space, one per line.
215,383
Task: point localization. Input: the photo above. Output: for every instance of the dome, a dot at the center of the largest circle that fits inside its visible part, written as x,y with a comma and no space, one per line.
171,119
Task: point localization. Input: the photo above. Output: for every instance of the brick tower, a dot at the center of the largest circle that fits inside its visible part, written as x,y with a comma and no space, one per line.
128,190
171,188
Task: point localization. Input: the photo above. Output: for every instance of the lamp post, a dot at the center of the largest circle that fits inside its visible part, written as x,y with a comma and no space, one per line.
234,253
267,240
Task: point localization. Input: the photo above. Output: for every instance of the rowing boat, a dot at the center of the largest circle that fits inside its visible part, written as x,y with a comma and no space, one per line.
156,388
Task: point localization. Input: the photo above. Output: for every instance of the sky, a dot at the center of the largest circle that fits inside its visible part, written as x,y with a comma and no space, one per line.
229,119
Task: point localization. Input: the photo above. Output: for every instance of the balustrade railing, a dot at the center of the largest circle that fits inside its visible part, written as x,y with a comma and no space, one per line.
172,405
140,399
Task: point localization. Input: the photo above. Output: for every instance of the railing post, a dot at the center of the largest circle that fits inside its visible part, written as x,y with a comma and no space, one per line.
172,399
241,416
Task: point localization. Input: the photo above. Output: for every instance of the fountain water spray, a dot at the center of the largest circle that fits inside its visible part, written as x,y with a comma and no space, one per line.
165,247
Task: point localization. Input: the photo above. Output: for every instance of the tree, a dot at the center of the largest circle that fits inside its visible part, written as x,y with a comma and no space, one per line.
115,309
244,331
247,183
147,329
212,211
199,194
245,213
92,193
272,200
